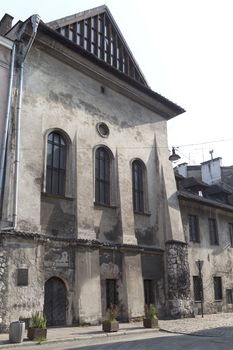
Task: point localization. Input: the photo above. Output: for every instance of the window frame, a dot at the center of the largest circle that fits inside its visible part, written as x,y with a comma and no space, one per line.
197,289
56,142
139,192
213,231
194,228
69,165
218,294
103,182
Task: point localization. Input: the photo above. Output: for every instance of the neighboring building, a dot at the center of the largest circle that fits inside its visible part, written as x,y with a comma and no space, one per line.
89,210
211,172
207,215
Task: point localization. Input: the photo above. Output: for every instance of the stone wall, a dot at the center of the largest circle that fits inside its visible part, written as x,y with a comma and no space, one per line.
3,287
178,280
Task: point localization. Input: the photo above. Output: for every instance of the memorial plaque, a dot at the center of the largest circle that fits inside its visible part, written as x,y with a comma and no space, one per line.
22,277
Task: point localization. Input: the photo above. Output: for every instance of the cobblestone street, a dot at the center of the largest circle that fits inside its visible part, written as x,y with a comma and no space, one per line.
210,325
218,326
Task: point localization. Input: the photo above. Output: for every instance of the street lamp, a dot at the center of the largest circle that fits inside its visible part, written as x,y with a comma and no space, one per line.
199,264
174,157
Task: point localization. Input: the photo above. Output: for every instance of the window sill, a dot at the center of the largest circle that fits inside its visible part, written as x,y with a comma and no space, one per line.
144,213
101,205
198,301
218,301
58,196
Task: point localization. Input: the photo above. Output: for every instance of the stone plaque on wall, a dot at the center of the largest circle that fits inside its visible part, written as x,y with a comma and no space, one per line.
22,277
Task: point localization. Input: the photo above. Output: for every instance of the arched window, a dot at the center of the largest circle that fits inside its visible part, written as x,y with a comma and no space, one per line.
138,185
102,176
56,164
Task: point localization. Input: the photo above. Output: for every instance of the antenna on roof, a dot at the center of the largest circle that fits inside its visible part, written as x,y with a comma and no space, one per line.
211,154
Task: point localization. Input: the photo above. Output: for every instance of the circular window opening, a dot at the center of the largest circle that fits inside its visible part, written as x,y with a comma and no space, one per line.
102,129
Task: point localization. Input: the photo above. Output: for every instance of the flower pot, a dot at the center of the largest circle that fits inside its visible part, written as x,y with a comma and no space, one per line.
110,326
34,333
150,323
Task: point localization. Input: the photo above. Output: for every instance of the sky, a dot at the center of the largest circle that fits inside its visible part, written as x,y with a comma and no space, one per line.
184,48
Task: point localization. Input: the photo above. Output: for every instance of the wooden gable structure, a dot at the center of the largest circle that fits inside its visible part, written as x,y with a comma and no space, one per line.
96,31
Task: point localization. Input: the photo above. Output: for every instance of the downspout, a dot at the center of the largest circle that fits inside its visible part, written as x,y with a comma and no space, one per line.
35,19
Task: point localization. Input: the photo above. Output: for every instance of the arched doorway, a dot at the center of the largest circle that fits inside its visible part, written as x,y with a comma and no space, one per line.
55,301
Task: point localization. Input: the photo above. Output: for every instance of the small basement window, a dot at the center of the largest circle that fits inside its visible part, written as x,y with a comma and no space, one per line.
22,277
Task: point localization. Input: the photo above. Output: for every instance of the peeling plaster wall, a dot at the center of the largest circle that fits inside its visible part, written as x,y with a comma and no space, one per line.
22,301
87,301
58,216
57,96
218,259
107,224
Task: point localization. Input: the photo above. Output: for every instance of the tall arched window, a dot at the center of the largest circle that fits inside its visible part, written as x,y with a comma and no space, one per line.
56,164
138,185
102,176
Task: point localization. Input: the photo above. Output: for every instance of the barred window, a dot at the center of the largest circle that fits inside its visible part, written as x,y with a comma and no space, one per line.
56,164
213,233
194,235
197,288
217,288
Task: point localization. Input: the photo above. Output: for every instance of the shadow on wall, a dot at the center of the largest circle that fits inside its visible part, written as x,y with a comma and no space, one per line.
57,217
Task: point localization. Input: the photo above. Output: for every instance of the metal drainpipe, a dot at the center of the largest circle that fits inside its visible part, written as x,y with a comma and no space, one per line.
35,19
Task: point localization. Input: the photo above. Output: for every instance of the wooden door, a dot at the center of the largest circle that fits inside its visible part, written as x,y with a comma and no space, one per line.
55,301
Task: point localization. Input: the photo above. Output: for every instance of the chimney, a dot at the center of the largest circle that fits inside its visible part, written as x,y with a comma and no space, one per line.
5,24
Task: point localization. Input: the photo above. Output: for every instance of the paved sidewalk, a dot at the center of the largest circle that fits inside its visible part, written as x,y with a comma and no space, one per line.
215,325
63,334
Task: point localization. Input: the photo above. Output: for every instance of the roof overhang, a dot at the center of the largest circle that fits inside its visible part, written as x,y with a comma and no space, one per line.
186,196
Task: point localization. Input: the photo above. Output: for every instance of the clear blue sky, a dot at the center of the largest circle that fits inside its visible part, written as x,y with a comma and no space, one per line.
184,48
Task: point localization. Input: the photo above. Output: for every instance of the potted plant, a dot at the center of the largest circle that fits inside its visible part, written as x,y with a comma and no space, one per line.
150,320
37,328
110,324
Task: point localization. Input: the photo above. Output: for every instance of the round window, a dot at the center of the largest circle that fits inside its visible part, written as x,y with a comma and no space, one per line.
102,129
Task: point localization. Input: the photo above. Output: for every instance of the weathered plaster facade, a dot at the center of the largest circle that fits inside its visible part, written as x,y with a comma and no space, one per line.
217,259
73,247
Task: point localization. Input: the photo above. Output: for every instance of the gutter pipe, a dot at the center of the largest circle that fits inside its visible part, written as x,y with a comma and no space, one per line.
35,19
